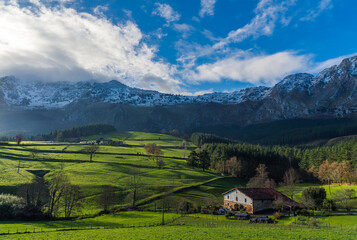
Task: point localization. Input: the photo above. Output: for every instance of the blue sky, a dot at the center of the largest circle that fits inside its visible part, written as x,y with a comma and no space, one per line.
175,46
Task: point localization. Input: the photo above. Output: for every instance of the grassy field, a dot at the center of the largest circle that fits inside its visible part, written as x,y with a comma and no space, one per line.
118,220
112,165
198,227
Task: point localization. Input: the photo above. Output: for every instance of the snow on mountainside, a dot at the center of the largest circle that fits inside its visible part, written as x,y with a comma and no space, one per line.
56,95
332,83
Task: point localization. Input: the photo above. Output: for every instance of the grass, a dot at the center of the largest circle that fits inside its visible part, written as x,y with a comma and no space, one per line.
332,187
118,220
201,227
112,165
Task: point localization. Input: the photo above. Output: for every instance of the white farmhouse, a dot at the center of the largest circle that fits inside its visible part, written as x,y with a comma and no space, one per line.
255,199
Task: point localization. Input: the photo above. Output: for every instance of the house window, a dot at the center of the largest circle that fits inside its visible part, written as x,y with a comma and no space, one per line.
227,197
245,200
236,198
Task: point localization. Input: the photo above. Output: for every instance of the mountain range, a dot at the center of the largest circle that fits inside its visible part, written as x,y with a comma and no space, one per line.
41,106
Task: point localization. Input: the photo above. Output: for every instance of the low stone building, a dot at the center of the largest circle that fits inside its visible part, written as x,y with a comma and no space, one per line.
255,199
110,142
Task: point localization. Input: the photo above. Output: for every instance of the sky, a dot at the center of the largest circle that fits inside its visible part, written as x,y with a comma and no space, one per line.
187,47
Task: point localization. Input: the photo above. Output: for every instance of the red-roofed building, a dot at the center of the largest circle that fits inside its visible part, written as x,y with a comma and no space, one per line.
255,199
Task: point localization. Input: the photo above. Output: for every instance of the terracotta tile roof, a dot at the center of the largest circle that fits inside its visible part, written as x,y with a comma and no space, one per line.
265,194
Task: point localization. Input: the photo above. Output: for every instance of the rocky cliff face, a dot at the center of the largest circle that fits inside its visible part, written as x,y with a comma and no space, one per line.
332,93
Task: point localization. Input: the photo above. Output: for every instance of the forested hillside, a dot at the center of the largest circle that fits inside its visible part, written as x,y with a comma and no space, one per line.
246,157
287,132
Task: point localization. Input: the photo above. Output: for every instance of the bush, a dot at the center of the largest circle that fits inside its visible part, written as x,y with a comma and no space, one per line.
313,197
314,222
302,220
186,207
303,212
10,206
277,215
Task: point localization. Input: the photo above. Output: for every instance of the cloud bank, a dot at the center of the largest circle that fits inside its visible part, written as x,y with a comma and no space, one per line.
62,44
53,42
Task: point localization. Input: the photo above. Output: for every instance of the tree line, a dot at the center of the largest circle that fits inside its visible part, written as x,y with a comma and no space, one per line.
76,132
240,159
287,132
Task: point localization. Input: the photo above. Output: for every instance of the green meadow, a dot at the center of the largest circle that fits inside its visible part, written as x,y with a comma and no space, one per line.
111,165
186,227
115,165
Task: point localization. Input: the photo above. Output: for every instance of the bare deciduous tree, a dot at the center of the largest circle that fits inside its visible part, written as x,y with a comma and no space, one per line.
233,166
91,151
153,150
107,198
71,199
34,153
290,179
35,193
261,179
134,184
325,173
56,186
19,138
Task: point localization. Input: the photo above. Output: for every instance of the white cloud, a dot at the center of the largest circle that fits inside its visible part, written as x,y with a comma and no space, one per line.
60,43
312,14
183,28
167,12
207,8
262,69
202,92
100,10
319,66
263,24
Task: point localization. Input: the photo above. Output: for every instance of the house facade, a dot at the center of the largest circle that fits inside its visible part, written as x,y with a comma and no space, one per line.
255,199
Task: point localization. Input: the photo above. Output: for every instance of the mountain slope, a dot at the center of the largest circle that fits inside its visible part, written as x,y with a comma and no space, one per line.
42,106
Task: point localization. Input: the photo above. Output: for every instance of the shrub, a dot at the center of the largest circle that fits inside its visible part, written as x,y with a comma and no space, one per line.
277,215
313,197
10,206
302,220
314,222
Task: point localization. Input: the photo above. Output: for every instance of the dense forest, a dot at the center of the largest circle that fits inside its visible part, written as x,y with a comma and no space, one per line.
287,132
76,132
222,156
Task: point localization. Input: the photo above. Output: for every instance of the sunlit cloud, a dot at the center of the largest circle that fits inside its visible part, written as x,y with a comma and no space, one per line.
62,44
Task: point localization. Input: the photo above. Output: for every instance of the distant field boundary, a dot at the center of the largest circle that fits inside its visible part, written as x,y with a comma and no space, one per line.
103,153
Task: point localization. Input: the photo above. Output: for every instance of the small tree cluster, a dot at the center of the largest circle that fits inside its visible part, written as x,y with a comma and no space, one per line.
153,150
199,158
62,194
335,172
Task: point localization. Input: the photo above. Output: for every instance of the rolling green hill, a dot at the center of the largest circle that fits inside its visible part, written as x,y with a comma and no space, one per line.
112,165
